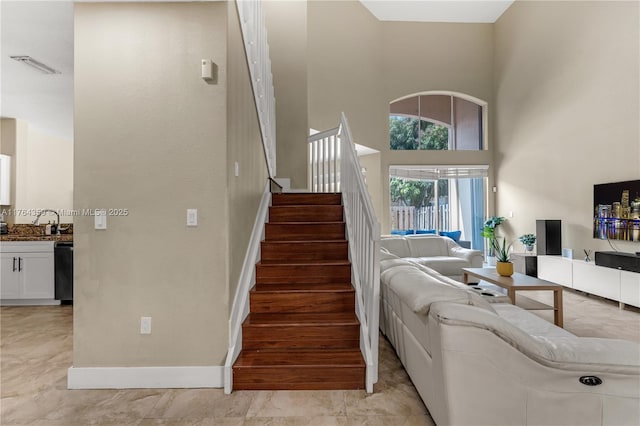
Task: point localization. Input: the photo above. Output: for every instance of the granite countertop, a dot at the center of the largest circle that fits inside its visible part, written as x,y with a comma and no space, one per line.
24,232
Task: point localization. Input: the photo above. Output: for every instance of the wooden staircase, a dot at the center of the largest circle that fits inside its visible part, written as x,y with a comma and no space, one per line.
302,331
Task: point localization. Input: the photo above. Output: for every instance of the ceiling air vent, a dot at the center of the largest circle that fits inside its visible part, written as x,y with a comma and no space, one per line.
28,60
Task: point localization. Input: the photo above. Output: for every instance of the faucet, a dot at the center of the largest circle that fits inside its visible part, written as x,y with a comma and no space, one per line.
58,228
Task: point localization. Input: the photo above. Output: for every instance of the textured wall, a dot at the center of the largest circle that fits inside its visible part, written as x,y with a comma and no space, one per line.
567,114
150,136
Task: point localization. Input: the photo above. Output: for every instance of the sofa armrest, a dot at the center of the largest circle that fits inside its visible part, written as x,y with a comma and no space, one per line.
474,257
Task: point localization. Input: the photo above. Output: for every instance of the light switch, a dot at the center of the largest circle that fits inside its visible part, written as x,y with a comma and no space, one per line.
145,325
192,217
237,169
100,219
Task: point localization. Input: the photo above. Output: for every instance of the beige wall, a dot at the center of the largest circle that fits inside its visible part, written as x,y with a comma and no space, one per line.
14,142
41,172
361,72
286,23
150,136
49,177
245,147
567,112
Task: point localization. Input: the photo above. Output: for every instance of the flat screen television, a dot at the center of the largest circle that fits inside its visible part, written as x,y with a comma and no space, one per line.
616,208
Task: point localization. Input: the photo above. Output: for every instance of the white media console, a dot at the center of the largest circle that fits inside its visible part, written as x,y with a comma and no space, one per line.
621,286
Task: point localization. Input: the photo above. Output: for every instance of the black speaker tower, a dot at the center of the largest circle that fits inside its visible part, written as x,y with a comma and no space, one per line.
549,237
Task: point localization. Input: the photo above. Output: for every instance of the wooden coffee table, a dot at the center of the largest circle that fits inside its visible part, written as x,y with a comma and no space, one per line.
519,282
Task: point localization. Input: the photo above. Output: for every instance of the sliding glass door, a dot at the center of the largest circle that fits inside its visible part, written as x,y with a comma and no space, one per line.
447,200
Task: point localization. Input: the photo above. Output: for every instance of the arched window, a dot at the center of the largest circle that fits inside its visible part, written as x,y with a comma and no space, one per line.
436,122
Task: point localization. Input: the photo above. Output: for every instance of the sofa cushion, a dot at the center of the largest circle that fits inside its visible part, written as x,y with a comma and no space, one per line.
386,254
443,264
419,290
568,353
528,322
396,245
392,263
427,246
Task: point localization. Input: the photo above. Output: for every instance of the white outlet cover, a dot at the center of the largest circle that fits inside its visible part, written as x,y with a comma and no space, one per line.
100,219
145,325
192,217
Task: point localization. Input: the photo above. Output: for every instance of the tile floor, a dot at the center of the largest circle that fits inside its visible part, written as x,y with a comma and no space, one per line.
36,350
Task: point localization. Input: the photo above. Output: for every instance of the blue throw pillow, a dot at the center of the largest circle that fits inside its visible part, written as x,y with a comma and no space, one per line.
426,231
454,235
401,232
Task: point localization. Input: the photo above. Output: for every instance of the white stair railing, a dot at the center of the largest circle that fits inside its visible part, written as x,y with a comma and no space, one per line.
334,167
254,35
324,161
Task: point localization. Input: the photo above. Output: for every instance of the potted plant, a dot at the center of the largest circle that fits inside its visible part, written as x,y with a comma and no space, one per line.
489,232
504,266
528,240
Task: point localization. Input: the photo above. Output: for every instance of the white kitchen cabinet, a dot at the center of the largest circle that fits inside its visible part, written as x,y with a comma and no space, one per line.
9,280
27,275
630,288
5,180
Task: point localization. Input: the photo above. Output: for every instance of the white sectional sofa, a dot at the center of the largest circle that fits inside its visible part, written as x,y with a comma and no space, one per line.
478,363
439,253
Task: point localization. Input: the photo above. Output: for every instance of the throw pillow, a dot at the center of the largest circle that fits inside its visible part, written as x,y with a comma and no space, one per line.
454,235
426,231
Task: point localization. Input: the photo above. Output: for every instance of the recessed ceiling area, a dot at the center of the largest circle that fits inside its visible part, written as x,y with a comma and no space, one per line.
470,11
42,30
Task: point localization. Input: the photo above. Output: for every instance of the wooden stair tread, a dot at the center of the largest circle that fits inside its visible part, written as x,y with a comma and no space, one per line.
306,319
306,288
302,242
305,199
302,262
329,222
300,358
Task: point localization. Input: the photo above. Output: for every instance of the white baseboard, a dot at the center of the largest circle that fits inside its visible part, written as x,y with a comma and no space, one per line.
145,377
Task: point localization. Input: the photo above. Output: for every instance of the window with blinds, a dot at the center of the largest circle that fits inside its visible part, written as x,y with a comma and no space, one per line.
449,200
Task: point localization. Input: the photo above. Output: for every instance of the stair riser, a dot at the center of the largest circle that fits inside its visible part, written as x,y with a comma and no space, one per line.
305,214
298,378
300,344
301,302
302,274
298,334
273,252
303,232
305,199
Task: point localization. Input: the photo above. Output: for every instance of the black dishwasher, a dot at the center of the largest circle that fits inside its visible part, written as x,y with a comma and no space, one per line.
63,263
